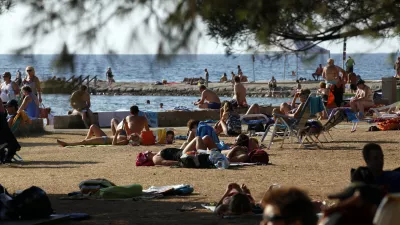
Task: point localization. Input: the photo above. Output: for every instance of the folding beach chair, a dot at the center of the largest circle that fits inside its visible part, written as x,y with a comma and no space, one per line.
253,119
386,111
287,127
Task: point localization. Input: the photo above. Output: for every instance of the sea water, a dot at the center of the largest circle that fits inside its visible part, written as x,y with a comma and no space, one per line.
59,104
146,68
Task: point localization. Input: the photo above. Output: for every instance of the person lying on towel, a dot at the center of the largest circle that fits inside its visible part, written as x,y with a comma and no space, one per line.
171,156
101,138
237,200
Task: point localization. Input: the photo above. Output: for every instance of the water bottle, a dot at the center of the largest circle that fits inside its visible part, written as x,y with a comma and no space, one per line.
220,164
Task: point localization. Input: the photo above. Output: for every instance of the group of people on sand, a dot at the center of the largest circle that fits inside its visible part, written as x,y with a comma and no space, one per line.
243,78
22,94
210,100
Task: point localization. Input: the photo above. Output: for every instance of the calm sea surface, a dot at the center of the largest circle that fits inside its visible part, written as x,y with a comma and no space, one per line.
146,68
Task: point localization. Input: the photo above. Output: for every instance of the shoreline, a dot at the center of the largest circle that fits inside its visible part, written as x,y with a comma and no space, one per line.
258,89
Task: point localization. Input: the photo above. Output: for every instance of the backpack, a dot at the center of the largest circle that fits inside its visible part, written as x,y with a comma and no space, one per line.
147,138
195,161
141,160
258,156
258,127
32,203
94,185
233,124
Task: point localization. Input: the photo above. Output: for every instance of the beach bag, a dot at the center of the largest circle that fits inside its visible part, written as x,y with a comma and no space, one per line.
233,124
32,203
43,111
195,161
128,191
148,138
94,185
6,212
141,160
218,159
259,156
258,127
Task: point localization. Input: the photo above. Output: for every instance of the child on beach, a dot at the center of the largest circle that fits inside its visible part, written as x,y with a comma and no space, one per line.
322,91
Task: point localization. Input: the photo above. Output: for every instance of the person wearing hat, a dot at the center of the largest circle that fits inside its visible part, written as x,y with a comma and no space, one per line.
33,82
12,108
9,89
331,73
363,98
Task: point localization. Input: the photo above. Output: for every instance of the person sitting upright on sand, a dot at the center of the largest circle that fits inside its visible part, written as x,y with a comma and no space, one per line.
239,92
318,72
224,78
211,97
80,102
132,124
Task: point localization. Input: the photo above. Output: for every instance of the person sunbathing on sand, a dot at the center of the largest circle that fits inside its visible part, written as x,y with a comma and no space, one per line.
237,200
101,138
241,148
131,124
171,156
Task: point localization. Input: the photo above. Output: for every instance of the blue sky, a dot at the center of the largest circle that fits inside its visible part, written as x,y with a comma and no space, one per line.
116,35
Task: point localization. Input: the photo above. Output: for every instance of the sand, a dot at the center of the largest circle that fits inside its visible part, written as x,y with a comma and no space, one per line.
59,170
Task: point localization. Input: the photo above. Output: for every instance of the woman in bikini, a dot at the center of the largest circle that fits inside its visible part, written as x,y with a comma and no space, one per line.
171,156
101,138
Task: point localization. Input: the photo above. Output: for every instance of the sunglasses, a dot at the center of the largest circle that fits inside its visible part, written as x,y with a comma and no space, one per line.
29,70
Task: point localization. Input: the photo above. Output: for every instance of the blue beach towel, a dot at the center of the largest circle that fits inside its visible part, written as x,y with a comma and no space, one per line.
152,117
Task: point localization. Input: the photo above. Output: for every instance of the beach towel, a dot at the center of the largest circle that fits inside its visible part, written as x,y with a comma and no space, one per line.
204,129
182,108
316,105
180,189
152,117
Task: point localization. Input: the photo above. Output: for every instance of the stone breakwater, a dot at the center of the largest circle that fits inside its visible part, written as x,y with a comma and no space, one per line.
284,89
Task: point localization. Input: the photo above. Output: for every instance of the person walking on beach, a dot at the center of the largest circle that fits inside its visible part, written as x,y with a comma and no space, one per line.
80,102
272,86
397,67
239,93
109,76
33,81
349,65
213,101
331,73
207,76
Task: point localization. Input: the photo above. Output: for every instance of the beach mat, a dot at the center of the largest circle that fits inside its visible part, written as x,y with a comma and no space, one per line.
87,146
145,196
53,219
243,164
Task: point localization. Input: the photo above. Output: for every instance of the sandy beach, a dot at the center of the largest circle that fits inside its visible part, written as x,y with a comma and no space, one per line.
59,170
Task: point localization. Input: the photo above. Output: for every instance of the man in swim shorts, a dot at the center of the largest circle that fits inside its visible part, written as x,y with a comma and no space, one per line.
134,122
331,73
211,97
239,93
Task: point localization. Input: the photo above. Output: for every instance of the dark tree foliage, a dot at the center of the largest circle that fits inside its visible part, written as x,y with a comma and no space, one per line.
253,24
